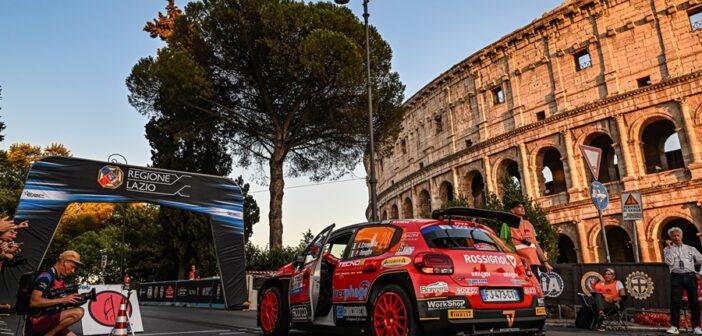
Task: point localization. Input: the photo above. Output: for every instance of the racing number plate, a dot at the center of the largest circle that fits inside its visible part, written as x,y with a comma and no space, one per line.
499,295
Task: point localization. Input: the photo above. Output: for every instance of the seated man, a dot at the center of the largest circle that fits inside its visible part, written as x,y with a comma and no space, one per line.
48,315
608,294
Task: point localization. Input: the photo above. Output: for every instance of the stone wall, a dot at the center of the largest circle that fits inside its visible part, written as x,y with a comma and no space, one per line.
624,76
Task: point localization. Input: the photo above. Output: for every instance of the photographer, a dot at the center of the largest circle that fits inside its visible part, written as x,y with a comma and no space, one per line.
523,239
46,316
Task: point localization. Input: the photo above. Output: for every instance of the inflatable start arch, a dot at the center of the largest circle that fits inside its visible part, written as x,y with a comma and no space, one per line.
55,182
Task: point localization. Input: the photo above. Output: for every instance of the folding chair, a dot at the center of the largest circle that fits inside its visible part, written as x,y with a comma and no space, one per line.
616,317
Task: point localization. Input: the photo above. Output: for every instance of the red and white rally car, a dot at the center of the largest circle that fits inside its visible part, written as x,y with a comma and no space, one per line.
407,277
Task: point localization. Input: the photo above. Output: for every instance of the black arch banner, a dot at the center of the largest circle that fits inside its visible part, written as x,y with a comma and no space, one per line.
55,182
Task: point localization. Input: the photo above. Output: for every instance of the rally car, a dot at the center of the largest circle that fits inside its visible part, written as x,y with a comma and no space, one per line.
407,277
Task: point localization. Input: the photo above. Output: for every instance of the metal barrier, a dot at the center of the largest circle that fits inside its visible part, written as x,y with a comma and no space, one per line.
647,284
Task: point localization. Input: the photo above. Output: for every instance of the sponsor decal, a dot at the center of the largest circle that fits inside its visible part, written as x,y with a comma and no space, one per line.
404,250
160,183
512,260
639,285
33,194
351,263
551,284
540,301
364,249
476,281
439,287
509,315
485,247
586,282
394,262
169,292
518,282
509,329
358,293
410,236
110,177
299,313
530,291
149,292
541,311
480,274
511,275
468,291
446,304
352,313
460,314
485,259
296,284
182,291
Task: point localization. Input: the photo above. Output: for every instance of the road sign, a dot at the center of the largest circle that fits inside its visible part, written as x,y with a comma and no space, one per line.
599,195
593,157
632,207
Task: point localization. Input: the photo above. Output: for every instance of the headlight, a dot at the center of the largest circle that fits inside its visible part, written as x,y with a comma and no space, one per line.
540,301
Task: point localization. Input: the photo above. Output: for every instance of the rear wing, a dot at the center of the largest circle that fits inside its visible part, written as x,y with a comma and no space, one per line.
505,217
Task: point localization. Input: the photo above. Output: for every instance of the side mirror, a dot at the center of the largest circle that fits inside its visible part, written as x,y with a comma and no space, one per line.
299,260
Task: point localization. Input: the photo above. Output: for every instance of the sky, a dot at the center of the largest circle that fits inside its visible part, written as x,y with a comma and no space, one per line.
63,66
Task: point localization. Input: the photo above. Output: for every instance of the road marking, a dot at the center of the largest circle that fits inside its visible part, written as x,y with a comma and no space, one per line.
233,333
187,332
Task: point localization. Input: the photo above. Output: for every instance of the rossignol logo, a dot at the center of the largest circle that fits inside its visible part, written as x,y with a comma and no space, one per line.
486,259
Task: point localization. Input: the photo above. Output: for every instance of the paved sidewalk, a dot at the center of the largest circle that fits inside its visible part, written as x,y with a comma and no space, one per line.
570,323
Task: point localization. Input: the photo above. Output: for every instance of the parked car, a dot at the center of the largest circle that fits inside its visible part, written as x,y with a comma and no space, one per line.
407,277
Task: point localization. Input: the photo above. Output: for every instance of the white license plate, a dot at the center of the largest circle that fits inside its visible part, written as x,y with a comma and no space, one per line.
499,295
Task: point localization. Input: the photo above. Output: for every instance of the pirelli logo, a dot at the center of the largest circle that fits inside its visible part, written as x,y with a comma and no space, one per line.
460,314
541,311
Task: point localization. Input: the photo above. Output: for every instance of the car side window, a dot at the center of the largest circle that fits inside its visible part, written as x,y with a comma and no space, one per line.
372,241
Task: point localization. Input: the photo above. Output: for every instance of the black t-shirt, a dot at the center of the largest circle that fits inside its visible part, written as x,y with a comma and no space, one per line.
45,282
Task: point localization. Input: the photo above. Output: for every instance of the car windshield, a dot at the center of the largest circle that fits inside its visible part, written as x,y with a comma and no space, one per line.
462,238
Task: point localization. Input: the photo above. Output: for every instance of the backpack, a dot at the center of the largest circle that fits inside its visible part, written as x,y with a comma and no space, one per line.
585,317
24,293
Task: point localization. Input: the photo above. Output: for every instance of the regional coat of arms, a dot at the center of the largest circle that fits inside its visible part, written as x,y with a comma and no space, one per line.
110,177
639,285
588,280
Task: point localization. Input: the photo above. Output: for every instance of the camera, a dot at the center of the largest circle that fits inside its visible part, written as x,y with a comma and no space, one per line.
65,291
526,242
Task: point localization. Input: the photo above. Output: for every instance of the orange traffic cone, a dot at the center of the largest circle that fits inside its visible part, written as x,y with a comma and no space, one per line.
120,328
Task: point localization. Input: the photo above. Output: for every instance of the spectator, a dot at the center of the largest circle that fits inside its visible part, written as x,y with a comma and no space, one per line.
193,274
608,294
523,239
681,260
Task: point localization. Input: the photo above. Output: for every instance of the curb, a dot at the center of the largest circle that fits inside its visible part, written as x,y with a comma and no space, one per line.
630,326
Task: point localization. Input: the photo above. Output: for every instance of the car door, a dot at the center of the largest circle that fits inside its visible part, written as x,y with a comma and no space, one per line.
304,286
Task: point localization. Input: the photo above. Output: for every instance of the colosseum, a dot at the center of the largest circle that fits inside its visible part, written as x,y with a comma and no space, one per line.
621,75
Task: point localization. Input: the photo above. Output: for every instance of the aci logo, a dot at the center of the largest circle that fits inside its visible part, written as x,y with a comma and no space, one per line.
106,306
110,177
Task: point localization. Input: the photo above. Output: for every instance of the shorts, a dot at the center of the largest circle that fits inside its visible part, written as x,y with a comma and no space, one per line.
43,324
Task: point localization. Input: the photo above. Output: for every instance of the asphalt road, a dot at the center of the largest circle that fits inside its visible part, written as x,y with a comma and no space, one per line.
175,321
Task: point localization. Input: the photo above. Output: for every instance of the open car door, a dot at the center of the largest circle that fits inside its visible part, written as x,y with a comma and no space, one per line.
305,282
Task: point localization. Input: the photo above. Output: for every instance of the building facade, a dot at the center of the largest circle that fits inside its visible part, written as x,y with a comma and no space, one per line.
621,75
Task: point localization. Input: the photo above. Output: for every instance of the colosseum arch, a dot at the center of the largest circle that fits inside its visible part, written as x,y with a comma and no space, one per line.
424,204
394,213
567,250
473,186
384,216
446,192
407,209
619,241
508,168
609,165
549,170
660,144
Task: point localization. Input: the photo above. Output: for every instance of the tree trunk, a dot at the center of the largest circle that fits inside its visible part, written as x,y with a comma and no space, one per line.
275,213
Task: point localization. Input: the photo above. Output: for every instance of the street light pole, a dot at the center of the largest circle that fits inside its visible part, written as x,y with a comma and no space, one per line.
372,181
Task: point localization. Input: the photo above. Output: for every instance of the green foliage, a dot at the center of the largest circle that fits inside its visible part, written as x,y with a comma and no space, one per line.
277,82
252,213
510,191
262,259
2,124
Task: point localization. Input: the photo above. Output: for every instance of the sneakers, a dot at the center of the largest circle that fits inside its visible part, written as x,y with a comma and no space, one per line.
674,330
697,331
601,328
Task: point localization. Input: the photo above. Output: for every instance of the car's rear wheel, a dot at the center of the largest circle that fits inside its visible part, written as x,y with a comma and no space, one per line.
273,317
392,313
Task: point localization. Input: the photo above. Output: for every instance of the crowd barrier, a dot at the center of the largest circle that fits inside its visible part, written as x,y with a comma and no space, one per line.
647,284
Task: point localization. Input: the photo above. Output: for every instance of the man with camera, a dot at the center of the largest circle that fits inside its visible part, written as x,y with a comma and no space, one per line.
523,239
50,315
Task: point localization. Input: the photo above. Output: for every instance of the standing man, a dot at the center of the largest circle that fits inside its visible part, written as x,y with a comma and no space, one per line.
46,315
681,260
523,239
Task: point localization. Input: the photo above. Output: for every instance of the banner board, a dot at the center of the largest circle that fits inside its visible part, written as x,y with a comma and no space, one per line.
101,314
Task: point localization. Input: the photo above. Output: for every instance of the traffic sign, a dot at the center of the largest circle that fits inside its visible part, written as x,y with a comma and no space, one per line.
593,157
103,261
599,195
632,207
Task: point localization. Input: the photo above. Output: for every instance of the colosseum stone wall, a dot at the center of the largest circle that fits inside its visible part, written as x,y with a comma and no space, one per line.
621,75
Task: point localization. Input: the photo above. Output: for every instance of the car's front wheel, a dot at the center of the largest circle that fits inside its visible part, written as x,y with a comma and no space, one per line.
392,313
273,317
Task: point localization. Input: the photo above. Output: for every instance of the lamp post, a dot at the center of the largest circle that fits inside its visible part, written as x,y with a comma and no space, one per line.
372,181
